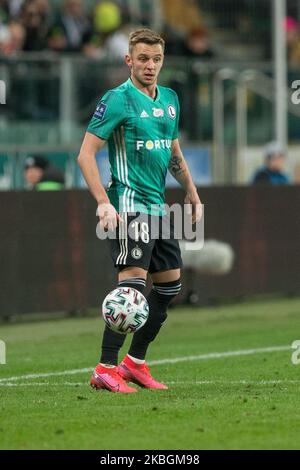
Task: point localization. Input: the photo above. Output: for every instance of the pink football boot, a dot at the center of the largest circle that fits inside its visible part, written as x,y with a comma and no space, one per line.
109,379
138,374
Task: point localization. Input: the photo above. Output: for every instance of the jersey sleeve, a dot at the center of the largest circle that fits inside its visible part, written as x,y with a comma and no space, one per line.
108,116
176,129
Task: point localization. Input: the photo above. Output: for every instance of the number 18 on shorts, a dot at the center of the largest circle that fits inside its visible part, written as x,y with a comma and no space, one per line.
143,241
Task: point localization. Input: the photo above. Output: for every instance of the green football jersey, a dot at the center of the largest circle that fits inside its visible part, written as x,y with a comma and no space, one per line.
139,131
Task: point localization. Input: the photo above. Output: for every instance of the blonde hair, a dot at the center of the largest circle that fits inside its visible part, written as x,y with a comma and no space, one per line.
146,36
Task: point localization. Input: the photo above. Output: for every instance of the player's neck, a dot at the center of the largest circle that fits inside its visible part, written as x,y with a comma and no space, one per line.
150,90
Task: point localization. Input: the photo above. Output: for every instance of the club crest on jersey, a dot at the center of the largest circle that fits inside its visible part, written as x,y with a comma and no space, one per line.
100,111
157,112
172,111
136,253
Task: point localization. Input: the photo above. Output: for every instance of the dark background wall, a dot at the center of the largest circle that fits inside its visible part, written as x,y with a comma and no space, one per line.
51,259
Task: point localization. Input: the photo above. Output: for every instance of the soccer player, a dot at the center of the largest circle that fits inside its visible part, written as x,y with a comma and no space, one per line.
139,119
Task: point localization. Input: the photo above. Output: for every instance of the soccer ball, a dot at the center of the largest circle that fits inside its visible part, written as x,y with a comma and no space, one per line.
125,310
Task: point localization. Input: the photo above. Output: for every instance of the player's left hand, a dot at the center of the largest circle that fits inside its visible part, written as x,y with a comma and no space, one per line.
195,207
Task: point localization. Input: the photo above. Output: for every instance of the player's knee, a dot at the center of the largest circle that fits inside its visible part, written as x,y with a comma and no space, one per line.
132,272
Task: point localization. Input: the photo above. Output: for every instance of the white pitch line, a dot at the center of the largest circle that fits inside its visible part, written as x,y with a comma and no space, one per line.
47,374
216,355
236,382
43,384
196,382
201,357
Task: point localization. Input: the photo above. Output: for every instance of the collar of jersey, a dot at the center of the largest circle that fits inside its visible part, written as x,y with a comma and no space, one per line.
130,83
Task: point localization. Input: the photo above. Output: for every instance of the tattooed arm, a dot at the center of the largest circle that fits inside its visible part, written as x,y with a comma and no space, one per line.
180,171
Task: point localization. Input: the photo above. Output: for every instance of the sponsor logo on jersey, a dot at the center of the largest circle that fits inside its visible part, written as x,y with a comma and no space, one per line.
100,111
136,253
153,144
157,112
144,114
172,111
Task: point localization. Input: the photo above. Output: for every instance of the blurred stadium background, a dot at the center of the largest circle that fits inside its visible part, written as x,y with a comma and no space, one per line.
233,64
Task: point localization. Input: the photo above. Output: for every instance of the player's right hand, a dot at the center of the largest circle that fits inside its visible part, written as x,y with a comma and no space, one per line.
108,216
194,205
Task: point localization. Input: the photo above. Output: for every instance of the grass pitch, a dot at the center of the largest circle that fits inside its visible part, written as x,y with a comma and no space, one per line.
244,399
